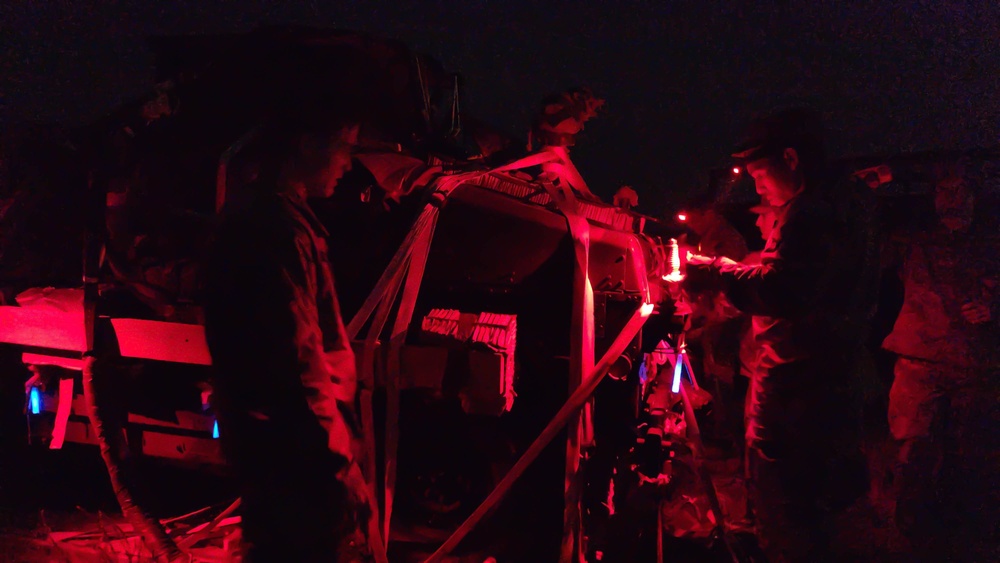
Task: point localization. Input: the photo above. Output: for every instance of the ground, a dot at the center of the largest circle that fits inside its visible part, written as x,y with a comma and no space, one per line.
62,507
67,491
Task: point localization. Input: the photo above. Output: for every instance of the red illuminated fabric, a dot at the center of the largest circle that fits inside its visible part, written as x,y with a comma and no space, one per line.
940,274
748,346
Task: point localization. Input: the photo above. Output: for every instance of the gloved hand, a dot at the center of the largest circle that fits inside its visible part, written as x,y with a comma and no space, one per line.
718,263
358,496
356,546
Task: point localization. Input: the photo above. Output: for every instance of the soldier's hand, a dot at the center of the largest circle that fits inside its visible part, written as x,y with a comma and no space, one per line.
976,312
357,488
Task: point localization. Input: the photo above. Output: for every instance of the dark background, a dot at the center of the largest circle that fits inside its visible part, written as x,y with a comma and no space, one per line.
680,77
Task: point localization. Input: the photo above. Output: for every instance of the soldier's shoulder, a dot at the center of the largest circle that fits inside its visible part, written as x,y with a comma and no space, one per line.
261,213
810,208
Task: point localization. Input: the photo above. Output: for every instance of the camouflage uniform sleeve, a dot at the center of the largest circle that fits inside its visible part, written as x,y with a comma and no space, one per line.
788,282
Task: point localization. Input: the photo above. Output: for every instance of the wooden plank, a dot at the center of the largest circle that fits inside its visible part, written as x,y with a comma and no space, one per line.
162,341
42,328
30,358
181,448
50,329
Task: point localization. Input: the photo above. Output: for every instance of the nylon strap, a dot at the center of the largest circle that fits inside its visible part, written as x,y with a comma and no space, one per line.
406,270
62,413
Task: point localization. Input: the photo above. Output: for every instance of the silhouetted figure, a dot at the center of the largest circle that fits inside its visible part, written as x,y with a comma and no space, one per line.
716,236
808,299
285,376
946,342
714,323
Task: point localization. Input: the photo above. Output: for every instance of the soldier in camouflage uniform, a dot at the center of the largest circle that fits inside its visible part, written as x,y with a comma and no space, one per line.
946,346
807,297
285,375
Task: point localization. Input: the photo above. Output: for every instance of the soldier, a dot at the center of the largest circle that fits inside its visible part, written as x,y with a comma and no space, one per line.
805,458
716,236
748,347
714,323
626,198
946,346
284,371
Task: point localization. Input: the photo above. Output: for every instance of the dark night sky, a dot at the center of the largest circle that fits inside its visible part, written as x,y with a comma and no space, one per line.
681,77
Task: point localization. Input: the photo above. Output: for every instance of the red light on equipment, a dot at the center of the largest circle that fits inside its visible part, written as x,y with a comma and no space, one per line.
736,170
682,217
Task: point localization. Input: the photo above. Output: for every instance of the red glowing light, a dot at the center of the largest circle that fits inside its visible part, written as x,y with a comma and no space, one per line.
675,263
736,170
682,217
